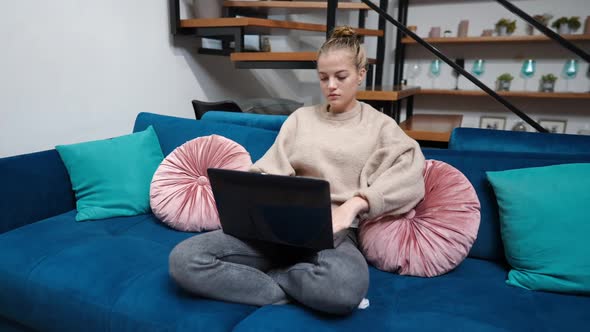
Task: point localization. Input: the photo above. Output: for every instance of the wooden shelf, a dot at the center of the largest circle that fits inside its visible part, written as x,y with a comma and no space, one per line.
431,127
263,23
387,93
520,94
294,4
278,56
494,39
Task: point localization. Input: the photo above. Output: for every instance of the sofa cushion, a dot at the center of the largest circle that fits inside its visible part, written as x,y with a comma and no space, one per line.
432,238
474,165
108,275
181,194
112,177
173,132
545,226
473,297
264,121
274,106
10,326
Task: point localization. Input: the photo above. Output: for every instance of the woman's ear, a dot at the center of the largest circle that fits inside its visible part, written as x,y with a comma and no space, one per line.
362,74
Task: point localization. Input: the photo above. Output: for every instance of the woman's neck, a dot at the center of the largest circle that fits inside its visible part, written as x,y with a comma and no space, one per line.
349,107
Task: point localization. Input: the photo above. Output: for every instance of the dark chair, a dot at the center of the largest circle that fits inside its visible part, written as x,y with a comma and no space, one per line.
202,107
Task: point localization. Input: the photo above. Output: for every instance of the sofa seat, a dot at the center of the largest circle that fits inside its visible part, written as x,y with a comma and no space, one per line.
95,275
105,275
473,297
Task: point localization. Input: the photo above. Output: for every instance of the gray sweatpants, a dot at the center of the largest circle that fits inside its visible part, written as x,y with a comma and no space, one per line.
219,266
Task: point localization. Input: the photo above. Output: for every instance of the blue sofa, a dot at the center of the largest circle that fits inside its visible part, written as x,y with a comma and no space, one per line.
57,274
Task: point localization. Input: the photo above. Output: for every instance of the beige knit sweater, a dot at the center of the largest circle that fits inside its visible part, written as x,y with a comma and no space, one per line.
361,152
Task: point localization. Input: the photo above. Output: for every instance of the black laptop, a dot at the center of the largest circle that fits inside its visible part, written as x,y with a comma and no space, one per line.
284,210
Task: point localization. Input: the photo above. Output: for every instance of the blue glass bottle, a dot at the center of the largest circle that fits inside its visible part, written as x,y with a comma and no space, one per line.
528,70
478,67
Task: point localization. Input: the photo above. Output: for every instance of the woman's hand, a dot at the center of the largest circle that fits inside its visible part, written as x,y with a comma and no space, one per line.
344,215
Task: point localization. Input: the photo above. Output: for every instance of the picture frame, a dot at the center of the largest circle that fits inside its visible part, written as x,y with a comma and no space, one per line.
554,125
492,122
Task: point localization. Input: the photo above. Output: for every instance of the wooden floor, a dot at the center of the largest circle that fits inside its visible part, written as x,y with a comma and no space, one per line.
387,93
431,127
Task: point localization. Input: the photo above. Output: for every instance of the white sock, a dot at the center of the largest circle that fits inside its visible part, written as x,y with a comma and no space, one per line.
364,304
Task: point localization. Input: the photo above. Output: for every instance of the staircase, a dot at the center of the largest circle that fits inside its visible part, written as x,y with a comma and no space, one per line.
251,18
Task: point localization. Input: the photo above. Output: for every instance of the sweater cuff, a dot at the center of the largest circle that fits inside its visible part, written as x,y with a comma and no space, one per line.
255,169
376,203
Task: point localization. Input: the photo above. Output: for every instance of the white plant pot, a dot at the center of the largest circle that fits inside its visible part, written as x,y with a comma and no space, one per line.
503,31
503,85
547,86
207,8
564,29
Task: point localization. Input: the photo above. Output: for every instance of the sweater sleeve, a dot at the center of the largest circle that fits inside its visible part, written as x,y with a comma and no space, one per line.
276,159
392,180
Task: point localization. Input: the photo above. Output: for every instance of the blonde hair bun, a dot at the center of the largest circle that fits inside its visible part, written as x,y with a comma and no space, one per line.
343,32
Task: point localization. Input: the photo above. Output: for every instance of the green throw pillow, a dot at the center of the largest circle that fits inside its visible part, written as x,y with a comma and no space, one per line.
545,225
112,177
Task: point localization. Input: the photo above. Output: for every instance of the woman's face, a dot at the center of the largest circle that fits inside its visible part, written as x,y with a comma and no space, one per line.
339,79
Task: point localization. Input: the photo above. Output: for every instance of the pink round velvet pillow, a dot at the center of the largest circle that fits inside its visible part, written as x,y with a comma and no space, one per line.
180,192
433,238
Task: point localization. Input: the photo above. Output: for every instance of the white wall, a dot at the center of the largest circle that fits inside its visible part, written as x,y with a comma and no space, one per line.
72,71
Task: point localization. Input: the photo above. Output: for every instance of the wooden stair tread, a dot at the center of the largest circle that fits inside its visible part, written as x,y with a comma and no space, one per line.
431,127
494,39
293,4
263,23
526,94
387,93
277,56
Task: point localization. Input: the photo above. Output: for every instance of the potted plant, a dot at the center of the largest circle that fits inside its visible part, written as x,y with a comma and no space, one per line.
505,27
566,26
503,81
548,83
543,19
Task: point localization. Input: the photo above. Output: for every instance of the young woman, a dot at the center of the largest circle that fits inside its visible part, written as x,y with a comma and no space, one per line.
373,168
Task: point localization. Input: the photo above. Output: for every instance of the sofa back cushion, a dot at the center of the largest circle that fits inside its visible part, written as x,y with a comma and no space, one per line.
474,164
173,132
30,193
473,139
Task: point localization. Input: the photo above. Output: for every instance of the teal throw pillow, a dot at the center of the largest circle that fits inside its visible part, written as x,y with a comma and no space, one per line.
545,226
111,178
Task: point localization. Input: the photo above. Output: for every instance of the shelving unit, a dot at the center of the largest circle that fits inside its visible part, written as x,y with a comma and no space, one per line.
253,25
265,5
388,93
510,94
471,45
278,60
494,39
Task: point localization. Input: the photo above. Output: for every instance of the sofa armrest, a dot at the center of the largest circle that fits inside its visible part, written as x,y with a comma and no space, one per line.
33,187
